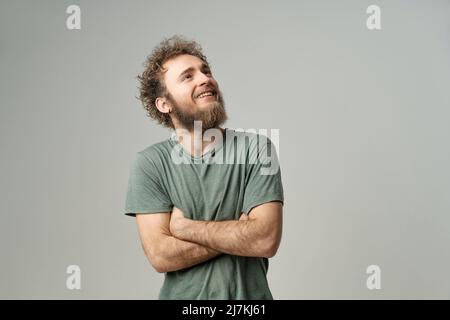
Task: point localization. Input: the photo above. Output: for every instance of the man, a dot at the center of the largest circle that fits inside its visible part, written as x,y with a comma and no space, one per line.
209,214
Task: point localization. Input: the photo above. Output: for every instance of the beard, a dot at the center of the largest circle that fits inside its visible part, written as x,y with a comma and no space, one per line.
213,116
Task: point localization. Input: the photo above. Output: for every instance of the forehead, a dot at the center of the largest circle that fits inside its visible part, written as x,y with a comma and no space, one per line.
175,66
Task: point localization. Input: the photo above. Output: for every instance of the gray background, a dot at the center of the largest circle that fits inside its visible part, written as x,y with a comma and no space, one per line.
364,139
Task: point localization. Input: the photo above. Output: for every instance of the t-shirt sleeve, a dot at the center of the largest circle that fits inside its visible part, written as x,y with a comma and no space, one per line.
145,191
263,180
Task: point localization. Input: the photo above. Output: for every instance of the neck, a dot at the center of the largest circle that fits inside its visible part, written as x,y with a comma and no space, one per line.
197,142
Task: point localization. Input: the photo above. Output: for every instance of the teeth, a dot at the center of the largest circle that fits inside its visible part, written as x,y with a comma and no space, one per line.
208,93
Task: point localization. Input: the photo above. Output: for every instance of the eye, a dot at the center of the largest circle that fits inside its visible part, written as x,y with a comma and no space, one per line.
187,76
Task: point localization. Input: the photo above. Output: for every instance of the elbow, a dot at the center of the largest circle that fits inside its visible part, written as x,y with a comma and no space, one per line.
270,251
160,269
155,260
158,266
270,246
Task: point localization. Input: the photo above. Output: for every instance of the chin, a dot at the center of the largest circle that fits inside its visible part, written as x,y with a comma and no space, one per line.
207,104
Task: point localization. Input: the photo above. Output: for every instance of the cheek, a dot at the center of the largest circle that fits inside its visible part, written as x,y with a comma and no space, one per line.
183,94
188,93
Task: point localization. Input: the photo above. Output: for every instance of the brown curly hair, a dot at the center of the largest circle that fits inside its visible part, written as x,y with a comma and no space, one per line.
151,80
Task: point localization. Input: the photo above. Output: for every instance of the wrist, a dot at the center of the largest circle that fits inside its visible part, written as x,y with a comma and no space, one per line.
182,228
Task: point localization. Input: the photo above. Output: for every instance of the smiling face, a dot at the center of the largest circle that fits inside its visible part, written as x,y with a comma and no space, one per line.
193,93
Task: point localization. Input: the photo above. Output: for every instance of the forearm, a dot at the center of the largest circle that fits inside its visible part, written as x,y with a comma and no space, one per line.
175,254
242,238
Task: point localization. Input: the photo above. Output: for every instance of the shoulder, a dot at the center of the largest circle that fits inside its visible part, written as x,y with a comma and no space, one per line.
154,155
157,149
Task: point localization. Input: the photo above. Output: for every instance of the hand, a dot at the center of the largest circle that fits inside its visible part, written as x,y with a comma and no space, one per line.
177,222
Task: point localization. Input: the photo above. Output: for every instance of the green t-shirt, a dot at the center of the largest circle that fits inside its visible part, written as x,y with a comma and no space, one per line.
232,178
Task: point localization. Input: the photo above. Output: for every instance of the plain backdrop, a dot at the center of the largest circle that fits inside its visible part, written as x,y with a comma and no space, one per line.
364,139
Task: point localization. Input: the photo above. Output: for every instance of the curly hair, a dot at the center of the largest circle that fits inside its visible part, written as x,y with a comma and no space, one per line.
151,80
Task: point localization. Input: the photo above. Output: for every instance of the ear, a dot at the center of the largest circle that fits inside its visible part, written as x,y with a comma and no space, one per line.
163,105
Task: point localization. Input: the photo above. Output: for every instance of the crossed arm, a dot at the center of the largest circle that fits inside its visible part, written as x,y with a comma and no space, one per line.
172,242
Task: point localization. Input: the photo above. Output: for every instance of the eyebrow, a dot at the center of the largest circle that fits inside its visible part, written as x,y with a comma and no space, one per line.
204,66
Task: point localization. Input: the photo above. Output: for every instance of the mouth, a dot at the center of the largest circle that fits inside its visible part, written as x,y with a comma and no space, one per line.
208,94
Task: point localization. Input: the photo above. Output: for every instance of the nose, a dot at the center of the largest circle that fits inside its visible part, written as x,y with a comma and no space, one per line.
204,79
